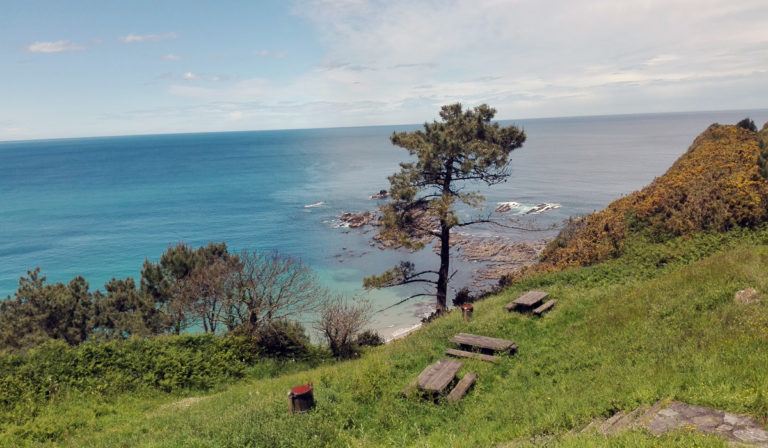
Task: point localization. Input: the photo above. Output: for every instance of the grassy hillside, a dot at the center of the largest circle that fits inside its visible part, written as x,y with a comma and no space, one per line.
657,322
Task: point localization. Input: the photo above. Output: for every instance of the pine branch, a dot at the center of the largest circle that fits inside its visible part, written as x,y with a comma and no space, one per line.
405,300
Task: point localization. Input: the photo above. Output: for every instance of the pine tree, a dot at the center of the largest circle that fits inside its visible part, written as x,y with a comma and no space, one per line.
464,148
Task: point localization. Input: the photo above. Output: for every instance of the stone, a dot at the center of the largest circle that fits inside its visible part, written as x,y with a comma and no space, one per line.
706,422
738,420
746,296
668,413
382,194
355,220
754,435
740,430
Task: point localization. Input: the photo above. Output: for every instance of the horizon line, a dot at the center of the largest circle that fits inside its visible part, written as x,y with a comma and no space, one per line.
373,126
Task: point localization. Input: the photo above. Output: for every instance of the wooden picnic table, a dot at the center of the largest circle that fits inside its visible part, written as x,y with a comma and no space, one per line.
436,377
527,301
484,342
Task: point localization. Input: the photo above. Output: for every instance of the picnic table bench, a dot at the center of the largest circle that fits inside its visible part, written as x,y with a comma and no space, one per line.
545,307
484,343
527,301
472,355
462,387
435,377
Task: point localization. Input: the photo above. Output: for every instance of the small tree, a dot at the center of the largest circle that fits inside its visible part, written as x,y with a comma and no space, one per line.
747,124
162,283
340,322
40,311
272,287
464,147
123,311
208,293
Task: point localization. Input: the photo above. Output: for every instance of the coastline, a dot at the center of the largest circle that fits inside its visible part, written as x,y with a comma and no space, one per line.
493,256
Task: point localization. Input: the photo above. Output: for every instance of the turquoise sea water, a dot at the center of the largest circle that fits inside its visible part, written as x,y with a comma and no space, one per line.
98,207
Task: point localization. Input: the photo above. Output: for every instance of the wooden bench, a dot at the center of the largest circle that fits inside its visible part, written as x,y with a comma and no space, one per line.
484,343
462,387
527,301
436,377
544,308
472,355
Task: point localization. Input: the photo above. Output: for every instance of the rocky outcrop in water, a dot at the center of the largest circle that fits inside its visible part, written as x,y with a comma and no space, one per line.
356,220
382,194
501,256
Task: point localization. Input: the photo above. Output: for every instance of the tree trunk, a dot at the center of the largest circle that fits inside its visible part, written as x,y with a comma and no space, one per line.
445,245
253,321
442,278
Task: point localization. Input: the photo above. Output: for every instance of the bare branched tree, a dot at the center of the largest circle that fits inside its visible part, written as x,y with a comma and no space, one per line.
208,292
272,287
340,322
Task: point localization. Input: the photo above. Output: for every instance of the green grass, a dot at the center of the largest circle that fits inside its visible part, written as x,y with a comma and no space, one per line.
660,322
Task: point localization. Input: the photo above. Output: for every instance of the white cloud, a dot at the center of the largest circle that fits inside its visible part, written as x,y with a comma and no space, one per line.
550,52
398,61
54,47
661,59
267,53
172,57
189,76
133,38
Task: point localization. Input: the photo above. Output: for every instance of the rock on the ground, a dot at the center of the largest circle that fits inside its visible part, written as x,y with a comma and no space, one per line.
675,415
746,296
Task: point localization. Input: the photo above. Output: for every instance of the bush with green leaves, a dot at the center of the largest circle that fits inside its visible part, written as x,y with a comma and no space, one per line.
168,363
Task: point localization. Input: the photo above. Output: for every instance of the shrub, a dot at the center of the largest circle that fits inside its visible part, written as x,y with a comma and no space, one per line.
340,322
716,185
369,338
168,363
462,296
747,124
282,338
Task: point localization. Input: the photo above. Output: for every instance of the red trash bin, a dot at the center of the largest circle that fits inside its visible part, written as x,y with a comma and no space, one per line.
466,311
301,399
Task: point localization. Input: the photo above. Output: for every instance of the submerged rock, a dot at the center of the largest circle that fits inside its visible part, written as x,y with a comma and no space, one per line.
356,220
382,194
504,207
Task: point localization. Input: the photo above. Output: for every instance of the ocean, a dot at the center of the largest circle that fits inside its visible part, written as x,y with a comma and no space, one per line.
98,207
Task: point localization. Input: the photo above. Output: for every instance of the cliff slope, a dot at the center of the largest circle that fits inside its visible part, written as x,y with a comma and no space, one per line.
718,184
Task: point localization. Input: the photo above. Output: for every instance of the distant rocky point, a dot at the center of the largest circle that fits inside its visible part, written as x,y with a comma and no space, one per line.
382,194
356,220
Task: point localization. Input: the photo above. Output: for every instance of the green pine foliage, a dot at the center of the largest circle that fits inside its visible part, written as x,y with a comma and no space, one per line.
465,148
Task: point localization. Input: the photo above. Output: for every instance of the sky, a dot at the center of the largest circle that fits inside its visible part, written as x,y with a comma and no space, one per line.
81,68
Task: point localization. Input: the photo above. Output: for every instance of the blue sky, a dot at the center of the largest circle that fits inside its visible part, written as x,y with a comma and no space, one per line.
85,68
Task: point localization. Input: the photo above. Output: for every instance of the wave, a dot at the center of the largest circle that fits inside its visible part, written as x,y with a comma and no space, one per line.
316,204
336,223
525,209
541,208
503,207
